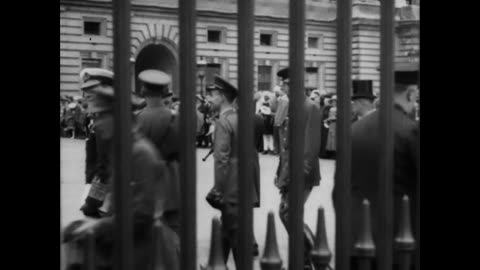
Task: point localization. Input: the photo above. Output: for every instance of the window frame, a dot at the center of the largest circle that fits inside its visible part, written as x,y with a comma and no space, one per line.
222,31
103,25
273,38
258,77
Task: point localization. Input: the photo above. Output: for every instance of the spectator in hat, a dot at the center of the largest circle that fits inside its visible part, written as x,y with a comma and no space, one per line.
158,124
362,99
331,123
147,183
311,130
224,195
366,155
324,129
266,113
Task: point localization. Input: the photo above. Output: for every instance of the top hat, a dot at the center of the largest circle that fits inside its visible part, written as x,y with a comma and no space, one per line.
362,89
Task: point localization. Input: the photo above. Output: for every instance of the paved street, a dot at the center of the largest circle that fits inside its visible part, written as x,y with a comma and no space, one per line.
72,186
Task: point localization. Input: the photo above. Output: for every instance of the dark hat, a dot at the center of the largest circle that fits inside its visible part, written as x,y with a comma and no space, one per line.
223,85
155,80
91,77
362,89
406,77
283,73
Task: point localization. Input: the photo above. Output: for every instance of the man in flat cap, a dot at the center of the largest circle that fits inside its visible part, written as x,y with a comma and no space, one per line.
362,98
225,151
158,124
366,153
311,130
147,185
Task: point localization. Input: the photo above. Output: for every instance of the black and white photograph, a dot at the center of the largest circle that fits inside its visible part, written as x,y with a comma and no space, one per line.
240,134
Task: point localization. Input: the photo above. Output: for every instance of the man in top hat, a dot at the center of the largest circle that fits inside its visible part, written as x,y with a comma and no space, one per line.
225,152
366,154
158,124
311,126
147,185
362,98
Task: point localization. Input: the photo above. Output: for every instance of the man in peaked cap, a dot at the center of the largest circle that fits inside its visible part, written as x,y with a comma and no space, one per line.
311,163
366,154
362,98
147,205
224,194
158,124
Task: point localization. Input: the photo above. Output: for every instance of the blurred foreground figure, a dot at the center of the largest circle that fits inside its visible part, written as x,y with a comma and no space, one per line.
160,125
148,188
366,147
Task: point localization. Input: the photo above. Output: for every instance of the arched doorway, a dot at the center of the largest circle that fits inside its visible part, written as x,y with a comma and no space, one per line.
158,56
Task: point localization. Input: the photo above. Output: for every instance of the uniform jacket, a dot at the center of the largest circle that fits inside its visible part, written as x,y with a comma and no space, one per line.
282,111
91,157
225,153
311,125
148,189
366,146
161,127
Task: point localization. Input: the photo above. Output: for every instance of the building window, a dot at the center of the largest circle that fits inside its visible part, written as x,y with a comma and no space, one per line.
91,63
264,78
313,42
266,39
311,78
94,26
215,36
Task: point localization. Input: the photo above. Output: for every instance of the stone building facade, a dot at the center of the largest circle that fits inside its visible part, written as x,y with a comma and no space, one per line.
86,40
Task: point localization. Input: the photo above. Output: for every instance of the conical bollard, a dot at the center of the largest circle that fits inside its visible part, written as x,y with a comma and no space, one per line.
364,245
216,260
165,241
321,254
404,241
271,259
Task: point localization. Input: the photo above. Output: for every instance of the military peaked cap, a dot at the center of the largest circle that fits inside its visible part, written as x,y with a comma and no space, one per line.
91,77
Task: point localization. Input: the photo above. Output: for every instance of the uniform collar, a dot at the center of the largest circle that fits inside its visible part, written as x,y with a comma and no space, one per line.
225,110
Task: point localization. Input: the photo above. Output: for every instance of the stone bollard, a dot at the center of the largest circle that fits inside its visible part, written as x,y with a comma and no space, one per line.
271,259
404,241
321,254
216,260
364,246
89,251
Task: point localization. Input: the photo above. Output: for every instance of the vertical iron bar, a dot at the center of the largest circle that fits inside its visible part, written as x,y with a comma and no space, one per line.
343,162
417,199
187,21
122,135
385,202
296,131
245,127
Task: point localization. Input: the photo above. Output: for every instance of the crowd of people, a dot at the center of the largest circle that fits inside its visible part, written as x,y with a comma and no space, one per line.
155,158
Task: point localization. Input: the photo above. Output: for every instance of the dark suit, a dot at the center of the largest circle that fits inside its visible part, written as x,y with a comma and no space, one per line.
311,124
366,146
161,127
225,152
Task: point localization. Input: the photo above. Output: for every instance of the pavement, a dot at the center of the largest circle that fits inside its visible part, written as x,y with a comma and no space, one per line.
72,181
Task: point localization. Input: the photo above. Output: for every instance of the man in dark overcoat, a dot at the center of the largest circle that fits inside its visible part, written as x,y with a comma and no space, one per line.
148,187
311,128
225,153
159,125
366,147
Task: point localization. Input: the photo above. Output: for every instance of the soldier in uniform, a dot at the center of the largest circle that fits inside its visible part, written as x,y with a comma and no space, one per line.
225,152
366,147
147,183
158,124
362,99
311,130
